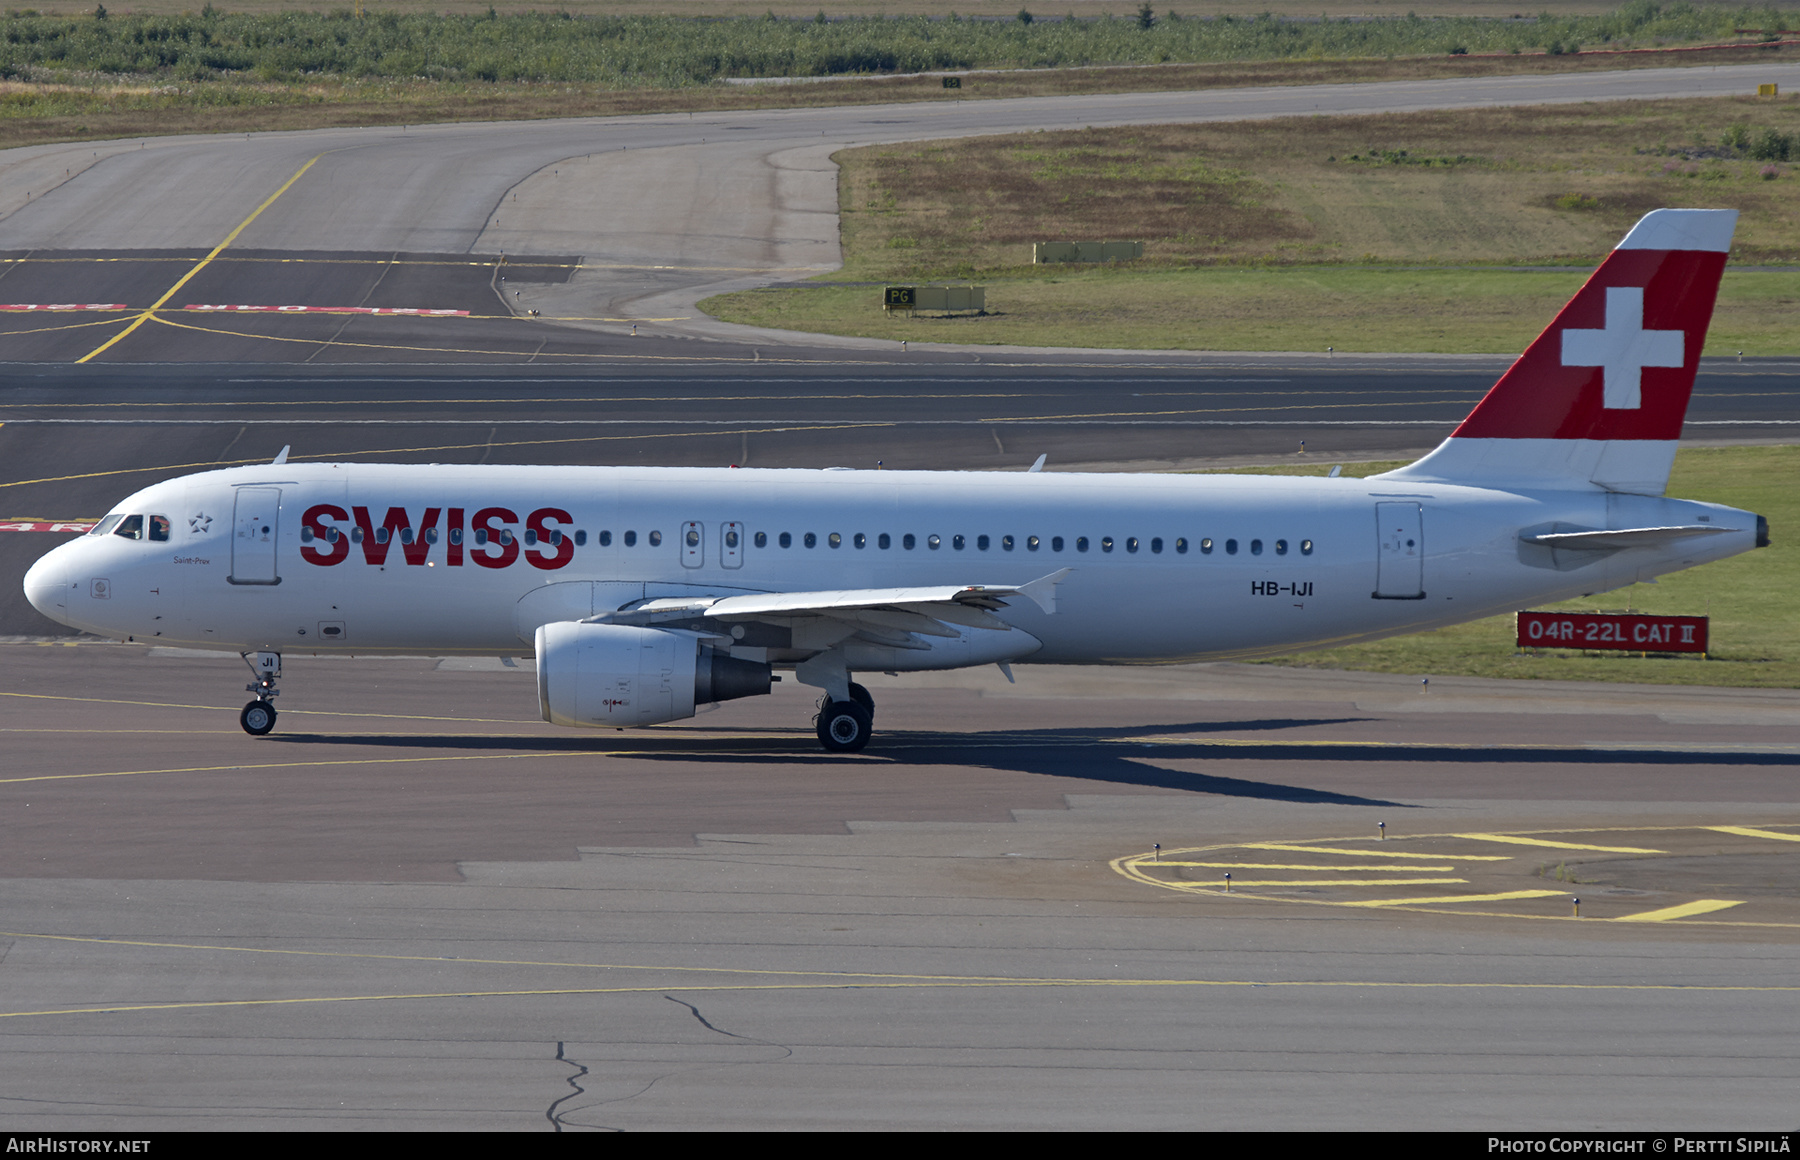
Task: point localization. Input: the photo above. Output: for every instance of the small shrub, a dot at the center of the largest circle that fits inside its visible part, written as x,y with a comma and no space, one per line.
1771,146
1577,201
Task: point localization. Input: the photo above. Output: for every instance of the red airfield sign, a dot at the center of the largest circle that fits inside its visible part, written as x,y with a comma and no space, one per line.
1621,632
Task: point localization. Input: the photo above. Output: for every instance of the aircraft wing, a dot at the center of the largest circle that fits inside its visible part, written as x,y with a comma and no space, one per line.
888,616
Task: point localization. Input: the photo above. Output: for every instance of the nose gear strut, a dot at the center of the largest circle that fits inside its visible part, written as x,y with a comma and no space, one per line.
258,717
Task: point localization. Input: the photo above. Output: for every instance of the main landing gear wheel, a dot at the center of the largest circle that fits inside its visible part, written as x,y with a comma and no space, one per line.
844,726
258,718
861,696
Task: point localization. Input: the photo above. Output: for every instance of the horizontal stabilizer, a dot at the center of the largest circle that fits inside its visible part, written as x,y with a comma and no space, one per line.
1623,538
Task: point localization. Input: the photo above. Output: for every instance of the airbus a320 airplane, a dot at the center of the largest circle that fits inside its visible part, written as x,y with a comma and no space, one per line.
646,592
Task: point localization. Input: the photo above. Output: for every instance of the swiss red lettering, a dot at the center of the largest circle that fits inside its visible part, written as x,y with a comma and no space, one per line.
397,527
333,553
499,550
487,538
561,553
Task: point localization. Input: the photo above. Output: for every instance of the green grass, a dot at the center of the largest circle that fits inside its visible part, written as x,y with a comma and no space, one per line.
1358,233
1752,598
1306,309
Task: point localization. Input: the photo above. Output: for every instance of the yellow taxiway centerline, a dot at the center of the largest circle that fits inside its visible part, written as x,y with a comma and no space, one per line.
1685,910
1366,853
1547,844
1504,897
1341,882
201,265
1751,832
1297,866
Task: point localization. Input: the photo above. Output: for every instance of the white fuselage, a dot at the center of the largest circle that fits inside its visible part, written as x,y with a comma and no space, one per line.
1162,567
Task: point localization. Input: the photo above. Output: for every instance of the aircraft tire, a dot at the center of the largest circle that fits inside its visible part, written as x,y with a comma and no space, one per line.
861,696
844,726
258,718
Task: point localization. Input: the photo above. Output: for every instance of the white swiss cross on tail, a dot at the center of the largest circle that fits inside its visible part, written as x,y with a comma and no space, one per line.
1624,348
1598,400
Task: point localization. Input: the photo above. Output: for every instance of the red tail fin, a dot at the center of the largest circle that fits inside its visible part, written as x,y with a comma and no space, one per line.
1599,398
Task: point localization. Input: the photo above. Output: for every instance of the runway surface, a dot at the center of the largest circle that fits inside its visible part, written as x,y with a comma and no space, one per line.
415,906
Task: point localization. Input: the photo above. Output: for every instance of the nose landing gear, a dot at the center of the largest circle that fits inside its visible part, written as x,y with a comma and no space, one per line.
258,717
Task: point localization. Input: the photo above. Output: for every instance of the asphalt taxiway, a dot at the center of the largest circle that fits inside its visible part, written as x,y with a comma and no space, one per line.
415,906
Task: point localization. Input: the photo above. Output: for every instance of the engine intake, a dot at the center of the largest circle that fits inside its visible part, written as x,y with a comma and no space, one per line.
619,675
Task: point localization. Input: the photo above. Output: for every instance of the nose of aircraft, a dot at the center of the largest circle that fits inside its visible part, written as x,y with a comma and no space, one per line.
47,585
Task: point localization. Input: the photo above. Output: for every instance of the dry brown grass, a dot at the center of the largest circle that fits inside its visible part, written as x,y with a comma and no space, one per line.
126,111
1497,189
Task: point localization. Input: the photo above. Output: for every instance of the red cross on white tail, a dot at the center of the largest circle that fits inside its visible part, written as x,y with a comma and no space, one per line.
1624,348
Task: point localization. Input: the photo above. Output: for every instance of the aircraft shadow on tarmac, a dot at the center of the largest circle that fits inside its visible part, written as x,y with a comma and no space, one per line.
1127,756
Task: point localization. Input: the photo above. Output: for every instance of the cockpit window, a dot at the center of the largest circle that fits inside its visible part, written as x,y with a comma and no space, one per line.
131,527
159,528
106,525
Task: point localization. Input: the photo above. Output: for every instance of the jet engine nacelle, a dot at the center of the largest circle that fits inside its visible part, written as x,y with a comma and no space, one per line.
614,674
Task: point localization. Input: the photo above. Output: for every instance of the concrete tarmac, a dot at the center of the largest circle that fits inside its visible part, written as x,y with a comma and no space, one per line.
415,906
